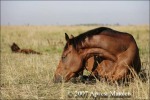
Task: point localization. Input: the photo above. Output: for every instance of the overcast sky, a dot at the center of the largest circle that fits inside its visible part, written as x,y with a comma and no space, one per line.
74,12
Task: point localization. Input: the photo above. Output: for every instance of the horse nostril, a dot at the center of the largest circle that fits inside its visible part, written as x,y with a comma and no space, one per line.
57,79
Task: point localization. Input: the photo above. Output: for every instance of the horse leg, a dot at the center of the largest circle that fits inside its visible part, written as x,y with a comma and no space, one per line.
121,72
105,69
122,66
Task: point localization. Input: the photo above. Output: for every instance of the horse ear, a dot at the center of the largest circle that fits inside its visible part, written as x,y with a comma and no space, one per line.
71,36
66,37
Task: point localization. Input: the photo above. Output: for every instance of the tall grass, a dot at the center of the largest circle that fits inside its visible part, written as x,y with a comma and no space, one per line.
30,76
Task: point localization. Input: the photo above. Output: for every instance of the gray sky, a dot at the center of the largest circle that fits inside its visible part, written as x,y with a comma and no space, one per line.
74,12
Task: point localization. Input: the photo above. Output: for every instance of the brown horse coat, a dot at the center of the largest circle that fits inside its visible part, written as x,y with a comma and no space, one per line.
118,49
15,48
99,68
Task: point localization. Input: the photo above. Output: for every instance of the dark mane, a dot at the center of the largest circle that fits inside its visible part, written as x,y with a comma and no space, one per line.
80,38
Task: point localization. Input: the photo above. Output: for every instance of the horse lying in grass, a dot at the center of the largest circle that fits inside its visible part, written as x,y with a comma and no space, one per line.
118,50
15,48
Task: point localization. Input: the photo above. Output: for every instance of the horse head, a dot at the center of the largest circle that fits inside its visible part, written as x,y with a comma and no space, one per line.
70,63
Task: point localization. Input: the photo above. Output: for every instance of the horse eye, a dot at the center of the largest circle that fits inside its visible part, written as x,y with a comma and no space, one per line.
63,57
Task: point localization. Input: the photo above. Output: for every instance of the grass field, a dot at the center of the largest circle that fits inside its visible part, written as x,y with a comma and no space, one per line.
30,76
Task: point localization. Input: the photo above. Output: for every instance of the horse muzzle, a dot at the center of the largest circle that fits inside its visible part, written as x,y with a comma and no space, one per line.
57,79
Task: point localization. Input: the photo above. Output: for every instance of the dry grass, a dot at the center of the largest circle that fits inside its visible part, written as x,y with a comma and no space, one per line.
30,76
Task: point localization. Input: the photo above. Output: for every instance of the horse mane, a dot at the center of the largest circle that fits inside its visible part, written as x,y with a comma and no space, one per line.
81,37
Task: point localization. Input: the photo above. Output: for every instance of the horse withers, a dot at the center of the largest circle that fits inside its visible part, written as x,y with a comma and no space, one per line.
118,49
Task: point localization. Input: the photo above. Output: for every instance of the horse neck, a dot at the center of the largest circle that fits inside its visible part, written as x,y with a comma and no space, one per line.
82,44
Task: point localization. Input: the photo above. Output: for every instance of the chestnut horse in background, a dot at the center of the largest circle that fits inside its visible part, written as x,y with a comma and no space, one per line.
15,48
118,50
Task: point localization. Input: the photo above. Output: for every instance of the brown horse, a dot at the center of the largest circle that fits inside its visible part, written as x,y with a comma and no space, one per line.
118,50
15,48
